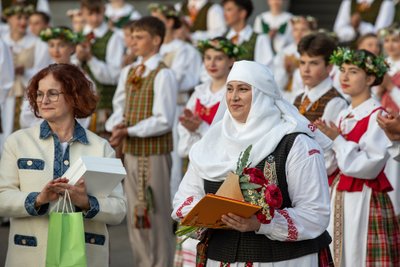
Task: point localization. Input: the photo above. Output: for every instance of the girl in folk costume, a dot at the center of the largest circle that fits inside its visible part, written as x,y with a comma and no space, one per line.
358,17
61,45
275,23
118,13
185,61
206,19
285,149
218,56
29,56
286,62
363,223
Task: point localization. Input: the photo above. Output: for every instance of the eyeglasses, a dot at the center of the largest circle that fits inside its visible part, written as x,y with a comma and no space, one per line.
51,95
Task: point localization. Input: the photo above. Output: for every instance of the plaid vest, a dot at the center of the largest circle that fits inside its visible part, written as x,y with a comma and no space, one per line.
139,106
200,23
105,91
227,245
370,14
317,109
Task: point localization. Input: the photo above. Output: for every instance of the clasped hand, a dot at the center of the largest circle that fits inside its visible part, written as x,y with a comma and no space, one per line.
57,187
189,120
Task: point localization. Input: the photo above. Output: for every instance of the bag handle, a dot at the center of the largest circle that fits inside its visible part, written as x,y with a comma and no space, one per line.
66,198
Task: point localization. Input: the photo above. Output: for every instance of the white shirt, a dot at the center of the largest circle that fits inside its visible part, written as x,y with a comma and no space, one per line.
41,58
165,93
107,72
186,63
346,32
207,98
333,107
367,158
274,22
115,14
310,201
282,77
394,150
7,71
263,52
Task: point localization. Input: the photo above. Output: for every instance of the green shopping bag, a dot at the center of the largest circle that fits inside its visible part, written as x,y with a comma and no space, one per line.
66,237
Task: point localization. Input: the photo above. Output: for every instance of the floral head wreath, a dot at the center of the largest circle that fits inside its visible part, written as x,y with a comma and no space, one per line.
372,65
61,33
312,22
223,45
18,9
166,10
392,30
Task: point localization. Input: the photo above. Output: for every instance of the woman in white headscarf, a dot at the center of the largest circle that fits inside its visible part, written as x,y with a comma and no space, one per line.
283,140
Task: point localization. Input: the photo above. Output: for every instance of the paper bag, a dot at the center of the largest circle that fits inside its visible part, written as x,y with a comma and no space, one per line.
66,239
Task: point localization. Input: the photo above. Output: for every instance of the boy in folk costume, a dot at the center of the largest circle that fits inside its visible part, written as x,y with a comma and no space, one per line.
358,17
363,225
118,13
185,61
258,46
205,18
150,92
320,99
101,57
276,23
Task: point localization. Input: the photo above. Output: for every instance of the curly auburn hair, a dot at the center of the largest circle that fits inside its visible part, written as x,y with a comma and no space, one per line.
78,90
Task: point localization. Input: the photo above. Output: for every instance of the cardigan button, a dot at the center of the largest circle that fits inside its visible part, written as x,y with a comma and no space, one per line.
29,163
92,240
66,162
23,241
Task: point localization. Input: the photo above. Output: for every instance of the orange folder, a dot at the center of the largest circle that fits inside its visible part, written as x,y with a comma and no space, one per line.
229,199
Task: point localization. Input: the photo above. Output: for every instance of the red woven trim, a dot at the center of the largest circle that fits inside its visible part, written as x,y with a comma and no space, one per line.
293,234
313,151
187,202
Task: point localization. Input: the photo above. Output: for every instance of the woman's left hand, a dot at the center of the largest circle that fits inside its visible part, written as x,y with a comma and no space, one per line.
329,130
77,193
241,224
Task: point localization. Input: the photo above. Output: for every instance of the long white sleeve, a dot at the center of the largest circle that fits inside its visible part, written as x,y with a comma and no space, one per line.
108,72
164,106
263,52
333,109
367,158
308,190
342,26
118,101
7,71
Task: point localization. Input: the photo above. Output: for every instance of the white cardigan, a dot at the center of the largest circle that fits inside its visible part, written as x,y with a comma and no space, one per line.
26,166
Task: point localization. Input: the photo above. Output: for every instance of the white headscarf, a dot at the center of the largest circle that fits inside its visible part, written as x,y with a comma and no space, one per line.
269,120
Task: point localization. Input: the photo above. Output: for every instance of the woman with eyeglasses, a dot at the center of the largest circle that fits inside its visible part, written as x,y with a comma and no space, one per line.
61,42
35,159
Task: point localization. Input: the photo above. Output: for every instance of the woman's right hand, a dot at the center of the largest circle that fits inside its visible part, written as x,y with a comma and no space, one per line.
48,194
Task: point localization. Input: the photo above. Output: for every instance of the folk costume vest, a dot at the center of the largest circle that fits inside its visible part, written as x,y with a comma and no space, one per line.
317,109
234,246
120,22
353,184
249,48
105,91
367,14
139,106
200,22
206,114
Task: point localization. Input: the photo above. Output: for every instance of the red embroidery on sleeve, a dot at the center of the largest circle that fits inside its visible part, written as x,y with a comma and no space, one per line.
187,202
292,230
313,151
312,127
